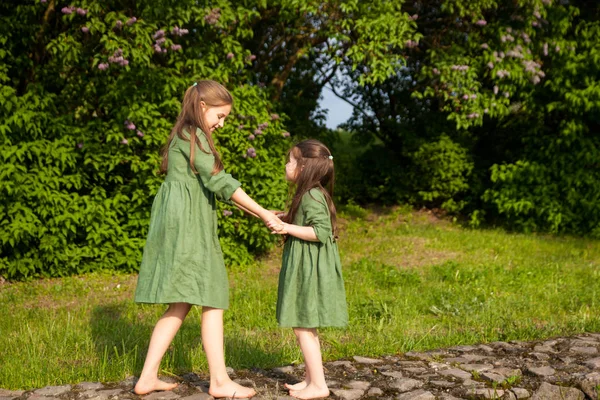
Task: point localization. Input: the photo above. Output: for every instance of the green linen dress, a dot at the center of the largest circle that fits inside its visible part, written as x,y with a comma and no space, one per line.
311,287
182,259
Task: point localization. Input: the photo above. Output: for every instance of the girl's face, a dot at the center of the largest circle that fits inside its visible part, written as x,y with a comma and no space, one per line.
215,116
290,169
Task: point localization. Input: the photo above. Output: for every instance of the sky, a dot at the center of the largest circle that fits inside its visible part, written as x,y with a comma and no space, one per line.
339,110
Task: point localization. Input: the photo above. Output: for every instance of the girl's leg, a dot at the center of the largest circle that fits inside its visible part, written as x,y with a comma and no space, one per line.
311,349
212,339
162,336
306,381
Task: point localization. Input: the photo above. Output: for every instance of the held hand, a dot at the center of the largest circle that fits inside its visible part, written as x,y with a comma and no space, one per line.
276,226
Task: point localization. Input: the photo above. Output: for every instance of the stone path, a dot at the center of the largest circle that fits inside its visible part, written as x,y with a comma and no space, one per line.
560,368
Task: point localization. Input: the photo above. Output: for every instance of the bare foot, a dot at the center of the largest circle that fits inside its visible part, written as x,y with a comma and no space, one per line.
310,392
296,386
145,386
231,390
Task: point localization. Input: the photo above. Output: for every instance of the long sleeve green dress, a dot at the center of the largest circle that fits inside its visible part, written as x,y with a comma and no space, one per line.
311,287
182,259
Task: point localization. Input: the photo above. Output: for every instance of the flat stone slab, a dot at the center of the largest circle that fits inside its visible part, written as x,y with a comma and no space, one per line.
491,377
487,393
476,367
345,364
520,393
594,363
167,395
584,350
396,374
375,392
89,386
416,395
11,393
53,390
406,384
203,396
443,384
360,385
457,373
547,391
542,371
348,394
366,360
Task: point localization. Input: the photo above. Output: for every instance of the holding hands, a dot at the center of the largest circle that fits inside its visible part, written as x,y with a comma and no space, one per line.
276,225
274,222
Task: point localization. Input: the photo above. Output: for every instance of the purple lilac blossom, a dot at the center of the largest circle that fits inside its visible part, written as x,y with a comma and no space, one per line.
85,29
103,66
481,22
124,141
139,133
286,134
131,21
229,56
81,11
213,17
176,47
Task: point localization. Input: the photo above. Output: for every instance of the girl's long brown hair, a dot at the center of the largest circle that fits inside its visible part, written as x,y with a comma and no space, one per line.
191,117
314,170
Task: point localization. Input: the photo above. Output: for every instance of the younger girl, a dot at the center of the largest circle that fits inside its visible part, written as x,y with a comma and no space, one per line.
182,263
311,288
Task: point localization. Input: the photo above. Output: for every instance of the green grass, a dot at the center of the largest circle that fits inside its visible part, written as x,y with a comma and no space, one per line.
413,283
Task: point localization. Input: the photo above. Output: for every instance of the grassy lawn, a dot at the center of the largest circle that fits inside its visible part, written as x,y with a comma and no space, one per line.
413,283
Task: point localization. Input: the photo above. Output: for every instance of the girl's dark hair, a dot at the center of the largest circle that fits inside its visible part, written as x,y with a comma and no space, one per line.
314,169
191,117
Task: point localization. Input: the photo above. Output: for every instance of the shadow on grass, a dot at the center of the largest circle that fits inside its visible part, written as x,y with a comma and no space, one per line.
121,337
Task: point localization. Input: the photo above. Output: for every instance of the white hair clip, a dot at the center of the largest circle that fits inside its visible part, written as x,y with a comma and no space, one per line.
331,157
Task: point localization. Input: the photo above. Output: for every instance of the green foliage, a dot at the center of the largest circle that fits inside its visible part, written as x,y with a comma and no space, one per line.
515,86
88,95
90,89
442,172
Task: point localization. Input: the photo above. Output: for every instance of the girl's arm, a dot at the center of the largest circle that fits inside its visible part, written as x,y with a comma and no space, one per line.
244,209
301,232
242,200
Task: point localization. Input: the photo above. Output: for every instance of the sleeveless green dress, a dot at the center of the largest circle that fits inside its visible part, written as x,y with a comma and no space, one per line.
182,259
311,287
